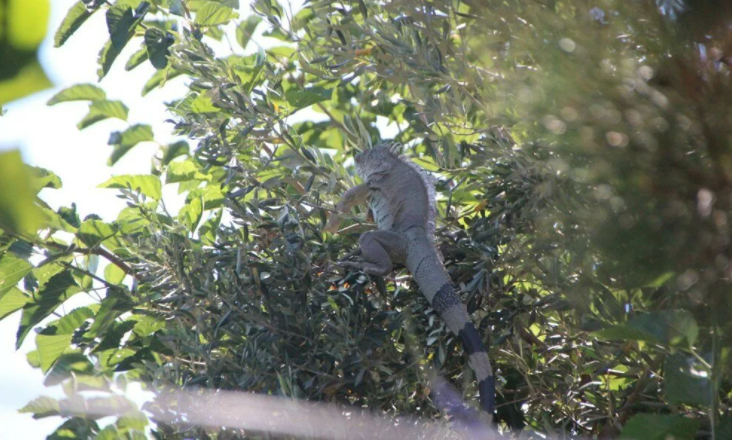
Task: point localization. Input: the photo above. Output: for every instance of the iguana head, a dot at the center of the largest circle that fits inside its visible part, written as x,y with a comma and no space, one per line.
378,159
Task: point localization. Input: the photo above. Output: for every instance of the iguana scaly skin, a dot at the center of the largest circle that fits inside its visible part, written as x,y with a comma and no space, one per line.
401,196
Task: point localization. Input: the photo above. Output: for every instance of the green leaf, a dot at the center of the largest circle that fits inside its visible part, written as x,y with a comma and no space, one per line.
246,29
208,229
203,104
58,289
214,14
148,325
106,58
42,407
659,427
212,196
33,359
93,232
174,150
76,364
113,274
11,301
76,16
686,381
146,184
43,178
133,422
120,19
101,110
181,171
190,214
124,141
121,22
176,8
159,78
44,273
668,327
55,220
78,92
302,98
30,78
73,320
18,212
112,307
136,59
277,34
50,347
12,271
75,429
157,44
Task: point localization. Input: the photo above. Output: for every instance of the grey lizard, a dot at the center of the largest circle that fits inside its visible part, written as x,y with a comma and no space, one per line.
401,195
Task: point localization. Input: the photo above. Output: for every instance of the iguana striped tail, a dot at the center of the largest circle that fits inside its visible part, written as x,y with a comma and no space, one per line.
426,265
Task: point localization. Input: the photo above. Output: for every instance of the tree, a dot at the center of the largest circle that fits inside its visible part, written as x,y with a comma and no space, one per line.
583,155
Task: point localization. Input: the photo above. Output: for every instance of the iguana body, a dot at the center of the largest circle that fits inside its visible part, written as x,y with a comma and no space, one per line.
401,196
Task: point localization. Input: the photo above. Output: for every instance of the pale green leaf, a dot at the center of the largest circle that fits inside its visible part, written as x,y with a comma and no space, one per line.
50,347
214,14
113,274
12,270
181,171
124,141
146,184
41,407
11,301
18,212
73,320
190,214
101,110
79,92
76,16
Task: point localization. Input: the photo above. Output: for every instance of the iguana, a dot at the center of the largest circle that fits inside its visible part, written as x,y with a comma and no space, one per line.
401,196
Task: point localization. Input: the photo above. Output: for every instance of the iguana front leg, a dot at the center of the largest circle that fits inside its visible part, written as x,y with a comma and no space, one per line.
354,196
380,249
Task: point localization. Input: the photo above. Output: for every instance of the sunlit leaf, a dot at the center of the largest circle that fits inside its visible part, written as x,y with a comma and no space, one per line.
101,110
93,232
190,214
18,211
214,13
76,16
79,92
42,407
113,274
50,347
148,185
124,141
137,58
11,301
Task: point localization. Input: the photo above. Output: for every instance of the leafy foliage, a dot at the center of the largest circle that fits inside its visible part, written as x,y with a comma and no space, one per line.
584,188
